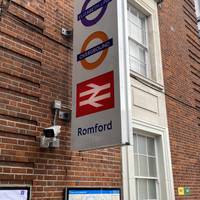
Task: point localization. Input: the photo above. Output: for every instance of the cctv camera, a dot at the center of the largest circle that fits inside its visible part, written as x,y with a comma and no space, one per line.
52,131
66,33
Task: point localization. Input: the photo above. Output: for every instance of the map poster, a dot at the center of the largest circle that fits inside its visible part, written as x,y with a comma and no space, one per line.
14,193
92,194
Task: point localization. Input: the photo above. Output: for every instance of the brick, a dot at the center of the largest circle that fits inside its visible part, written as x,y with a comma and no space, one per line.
180,44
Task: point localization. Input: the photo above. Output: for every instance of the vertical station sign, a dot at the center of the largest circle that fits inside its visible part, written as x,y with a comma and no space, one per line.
97,83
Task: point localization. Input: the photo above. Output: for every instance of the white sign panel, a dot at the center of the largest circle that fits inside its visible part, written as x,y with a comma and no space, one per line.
98,81
14,194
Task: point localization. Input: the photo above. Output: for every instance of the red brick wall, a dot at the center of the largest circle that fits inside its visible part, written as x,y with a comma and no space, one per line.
35,69
181,63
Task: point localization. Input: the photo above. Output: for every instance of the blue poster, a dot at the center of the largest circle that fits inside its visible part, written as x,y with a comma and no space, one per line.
93,194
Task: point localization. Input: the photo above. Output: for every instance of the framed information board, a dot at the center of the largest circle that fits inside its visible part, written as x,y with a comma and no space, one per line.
15,193
92,194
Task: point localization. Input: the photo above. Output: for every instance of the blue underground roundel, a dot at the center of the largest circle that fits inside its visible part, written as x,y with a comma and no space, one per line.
103,4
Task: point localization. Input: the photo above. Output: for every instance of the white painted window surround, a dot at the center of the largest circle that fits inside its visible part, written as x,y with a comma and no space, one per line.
197,8
138,41
146,169
161,178
144,40
149,118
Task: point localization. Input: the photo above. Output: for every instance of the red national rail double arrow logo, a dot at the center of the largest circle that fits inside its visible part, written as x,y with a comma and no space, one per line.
95,95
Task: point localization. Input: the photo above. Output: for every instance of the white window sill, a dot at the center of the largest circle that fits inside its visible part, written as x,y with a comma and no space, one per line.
146,81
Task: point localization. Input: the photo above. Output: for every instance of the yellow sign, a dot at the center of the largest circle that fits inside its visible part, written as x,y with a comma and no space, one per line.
181,191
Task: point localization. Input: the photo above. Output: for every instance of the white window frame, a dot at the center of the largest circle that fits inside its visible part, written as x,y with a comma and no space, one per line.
149,8
157,177
165,176
146,47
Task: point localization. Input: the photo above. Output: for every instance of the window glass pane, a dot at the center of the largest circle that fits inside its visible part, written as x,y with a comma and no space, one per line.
142,189
136,33
143,29
142,56
143,69
143,166
151,146
137,57
134,49
137,189
142,147
136,165
152,189
135,143
199,4
134,64
152,167
142,19
132,31
137,25
132,11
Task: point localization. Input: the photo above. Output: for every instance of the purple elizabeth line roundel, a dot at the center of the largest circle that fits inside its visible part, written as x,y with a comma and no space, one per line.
92,22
